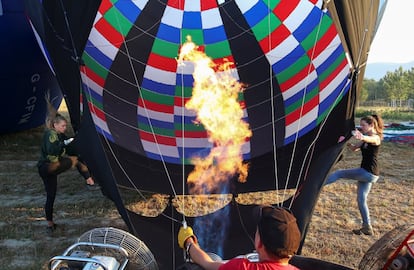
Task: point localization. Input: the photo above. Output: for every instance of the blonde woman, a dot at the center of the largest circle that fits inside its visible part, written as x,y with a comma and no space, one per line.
54,161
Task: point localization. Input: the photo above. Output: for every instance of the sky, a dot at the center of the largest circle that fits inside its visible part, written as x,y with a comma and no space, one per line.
394,40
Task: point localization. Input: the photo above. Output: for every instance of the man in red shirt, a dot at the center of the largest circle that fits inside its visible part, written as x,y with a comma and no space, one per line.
277,239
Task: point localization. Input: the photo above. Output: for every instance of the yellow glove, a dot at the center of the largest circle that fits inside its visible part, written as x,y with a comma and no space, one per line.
184,234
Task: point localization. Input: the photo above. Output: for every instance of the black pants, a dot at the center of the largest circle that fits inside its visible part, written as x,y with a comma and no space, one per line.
49,175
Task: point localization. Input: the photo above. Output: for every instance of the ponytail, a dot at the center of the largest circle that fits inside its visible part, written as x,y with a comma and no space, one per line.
52,115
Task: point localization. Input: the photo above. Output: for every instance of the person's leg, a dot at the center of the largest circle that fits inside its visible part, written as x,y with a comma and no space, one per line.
364,187
60,166
50,184
65,163
84,171
51,188
362,195
365,180
351,174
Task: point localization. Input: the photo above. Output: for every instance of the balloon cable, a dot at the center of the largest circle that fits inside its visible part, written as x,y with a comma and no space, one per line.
272,98
306,83
76,56
150,124
358,63
183,180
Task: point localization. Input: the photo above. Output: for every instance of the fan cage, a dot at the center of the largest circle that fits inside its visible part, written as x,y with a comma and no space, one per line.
139,255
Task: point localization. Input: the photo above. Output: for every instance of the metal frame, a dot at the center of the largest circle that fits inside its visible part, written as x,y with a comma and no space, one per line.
55,261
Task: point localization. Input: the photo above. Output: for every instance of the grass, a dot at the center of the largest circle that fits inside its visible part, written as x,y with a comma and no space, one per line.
25,245
392,114
336,213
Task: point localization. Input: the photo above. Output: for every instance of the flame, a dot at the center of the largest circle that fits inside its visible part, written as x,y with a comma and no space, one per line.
215,99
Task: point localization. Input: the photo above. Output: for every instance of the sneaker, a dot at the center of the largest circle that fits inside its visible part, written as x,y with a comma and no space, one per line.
366,229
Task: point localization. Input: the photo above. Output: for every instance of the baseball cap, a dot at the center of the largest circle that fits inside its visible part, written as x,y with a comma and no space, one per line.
278,230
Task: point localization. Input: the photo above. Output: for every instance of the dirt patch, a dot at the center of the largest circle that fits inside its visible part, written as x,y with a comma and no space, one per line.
24,243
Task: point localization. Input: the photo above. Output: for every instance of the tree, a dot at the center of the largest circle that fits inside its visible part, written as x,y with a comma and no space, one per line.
363,93
410,75
397,85
371,87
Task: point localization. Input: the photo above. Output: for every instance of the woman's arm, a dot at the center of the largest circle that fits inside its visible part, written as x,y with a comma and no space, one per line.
354,146
53,147
371,139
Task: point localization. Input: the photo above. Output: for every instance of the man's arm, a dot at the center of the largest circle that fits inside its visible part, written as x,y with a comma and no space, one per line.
188,241
199,256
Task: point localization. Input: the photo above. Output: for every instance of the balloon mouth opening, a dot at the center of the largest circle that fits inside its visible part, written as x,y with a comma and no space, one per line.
153,204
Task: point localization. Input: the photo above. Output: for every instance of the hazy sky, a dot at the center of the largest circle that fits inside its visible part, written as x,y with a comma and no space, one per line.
394,41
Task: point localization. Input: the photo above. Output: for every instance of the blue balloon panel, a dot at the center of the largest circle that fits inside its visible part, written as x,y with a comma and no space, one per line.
25,76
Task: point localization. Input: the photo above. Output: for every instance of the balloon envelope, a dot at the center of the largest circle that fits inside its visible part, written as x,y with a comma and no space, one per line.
138,137
25,76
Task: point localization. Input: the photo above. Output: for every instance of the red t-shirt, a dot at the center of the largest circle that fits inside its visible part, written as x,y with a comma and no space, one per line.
245,264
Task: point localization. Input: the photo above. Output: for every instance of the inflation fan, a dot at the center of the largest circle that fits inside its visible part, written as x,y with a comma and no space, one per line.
105,249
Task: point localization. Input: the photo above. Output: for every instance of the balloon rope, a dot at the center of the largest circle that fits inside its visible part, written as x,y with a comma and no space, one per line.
312,145
285,193
182,129
364,36
88,90
183,222
60,38
301,111
83,70
146,111
151,127
69,32
92,108
336,100
269,43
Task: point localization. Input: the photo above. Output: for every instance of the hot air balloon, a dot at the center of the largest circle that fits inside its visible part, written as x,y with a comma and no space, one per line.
299,65
25,75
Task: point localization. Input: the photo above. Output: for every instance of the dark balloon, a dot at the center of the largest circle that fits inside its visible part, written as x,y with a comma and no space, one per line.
25,75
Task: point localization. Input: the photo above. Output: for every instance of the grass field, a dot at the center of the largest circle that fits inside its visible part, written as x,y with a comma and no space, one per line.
25,245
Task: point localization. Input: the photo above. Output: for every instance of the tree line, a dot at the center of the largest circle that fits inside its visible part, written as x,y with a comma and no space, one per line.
395,89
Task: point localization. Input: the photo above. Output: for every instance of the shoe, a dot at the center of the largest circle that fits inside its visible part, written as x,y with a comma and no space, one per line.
366,229
51,229
92,187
